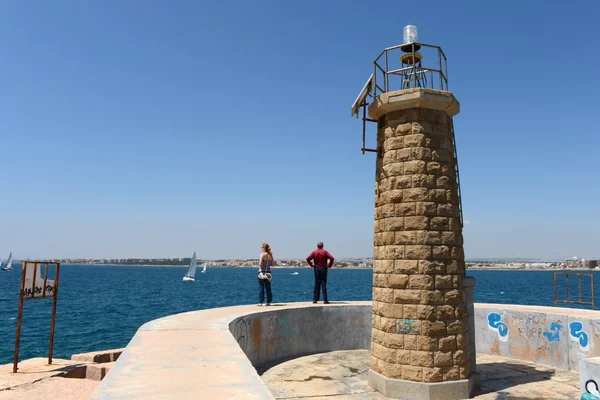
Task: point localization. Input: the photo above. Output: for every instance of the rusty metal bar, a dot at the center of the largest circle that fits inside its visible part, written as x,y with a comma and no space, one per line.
386,79
52,324
555,290
586,303
364,107
414,66
446,69
579,300
45,281
399,71
374,79
33,282
593,299
440,65
380,54
381,69
20,318
420,44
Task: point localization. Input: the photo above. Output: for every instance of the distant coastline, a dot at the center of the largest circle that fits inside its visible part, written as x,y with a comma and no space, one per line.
209,266
334,267
530,269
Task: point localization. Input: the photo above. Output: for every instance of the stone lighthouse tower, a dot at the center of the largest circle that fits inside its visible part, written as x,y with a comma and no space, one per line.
420,338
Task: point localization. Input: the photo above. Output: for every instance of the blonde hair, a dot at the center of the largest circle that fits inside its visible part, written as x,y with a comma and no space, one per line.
267,249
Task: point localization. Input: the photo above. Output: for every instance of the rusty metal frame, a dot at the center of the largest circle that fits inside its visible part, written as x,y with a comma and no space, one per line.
567,300
381,64
22,298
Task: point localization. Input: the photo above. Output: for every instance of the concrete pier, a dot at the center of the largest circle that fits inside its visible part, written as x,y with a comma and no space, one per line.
220,353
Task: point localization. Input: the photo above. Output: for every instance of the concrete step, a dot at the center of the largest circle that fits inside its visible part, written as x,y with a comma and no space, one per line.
97,372
105,356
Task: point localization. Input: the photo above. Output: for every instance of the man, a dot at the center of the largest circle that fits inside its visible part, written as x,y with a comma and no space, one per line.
322,262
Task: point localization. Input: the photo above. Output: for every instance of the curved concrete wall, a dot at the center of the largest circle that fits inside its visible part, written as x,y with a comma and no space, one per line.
212,353
271,337
559,337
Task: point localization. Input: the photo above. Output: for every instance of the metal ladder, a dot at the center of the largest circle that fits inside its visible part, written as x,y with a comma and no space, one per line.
457,172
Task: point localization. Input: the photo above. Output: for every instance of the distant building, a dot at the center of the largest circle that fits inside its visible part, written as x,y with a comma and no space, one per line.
573,262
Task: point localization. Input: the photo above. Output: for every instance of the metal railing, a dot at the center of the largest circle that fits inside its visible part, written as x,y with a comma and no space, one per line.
567,299
412,74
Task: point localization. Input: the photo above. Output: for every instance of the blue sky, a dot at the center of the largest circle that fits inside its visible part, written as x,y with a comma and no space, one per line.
148,129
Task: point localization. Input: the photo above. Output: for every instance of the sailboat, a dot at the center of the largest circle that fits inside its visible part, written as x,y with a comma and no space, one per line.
203,269
190,275
8,264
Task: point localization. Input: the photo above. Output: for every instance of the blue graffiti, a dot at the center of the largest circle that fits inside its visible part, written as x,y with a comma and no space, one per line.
407,326
554,335
495,323
577,334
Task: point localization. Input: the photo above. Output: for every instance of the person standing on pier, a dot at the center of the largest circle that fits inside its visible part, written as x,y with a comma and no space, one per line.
320,261
265,263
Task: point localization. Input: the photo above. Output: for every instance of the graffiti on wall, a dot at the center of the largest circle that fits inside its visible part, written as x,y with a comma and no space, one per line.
240,332
577,334
279,327
591,391
554,334
407,326
595,328
496,324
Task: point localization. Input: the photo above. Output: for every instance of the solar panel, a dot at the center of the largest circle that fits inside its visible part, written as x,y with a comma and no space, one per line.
366,90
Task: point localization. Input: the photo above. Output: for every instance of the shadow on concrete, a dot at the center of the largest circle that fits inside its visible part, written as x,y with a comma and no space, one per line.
498,376
317,304
264,367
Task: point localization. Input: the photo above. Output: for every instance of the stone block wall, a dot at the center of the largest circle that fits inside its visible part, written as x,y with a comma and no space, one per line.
420,322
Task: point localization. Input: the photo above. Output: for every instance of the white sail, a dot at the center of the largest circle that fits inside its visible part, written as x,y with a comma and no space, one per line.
204,268
191,272
9,262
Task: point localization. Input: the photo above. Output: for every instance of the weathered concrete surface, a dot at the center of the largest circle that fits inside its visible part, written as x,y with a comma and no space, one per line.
342,376
210,352
37,380
270,337
559,337
74,379
334,374
103,356
506,378
52,389
36,369
97,372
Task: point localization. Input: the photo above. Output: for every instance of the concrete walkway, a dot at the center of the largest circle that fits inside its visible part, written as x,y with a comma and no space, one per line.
342,375
40,381
74,379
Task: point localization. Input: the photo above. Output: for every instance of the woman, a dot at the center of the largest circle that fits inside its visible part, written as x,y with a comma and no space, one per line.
265,263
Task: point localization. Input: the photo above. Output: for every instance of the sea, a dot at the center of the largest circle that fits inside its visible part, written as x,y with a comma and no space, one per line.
101,307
